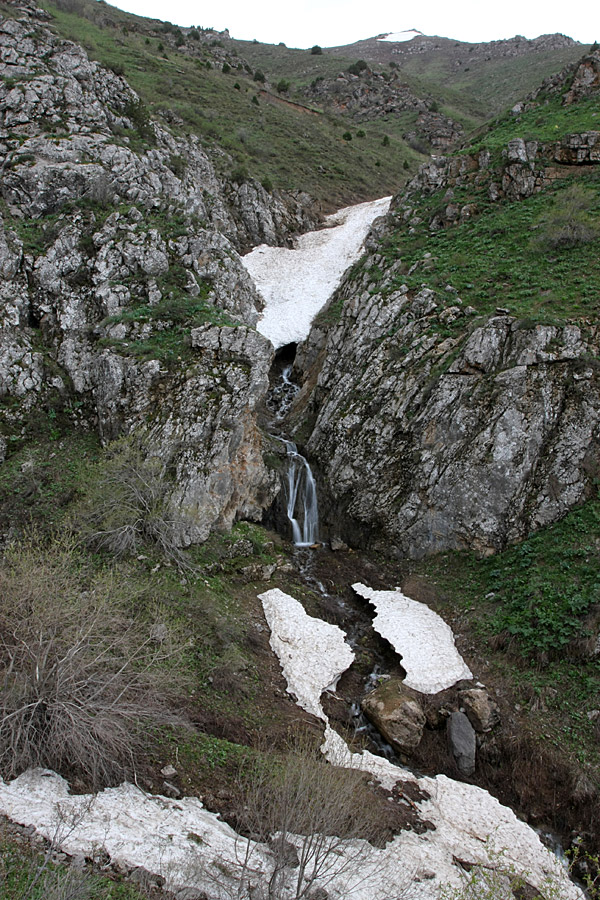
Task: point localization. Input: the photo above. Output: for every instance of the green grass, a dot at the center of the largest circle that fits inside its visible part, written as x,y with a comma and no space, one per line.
497,259
289,147
533,607
547,122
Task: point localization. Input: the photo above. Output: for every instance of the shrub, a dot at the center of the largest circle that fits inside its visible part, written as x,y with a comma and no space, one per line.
316,50
357,67
283,86
255,100
259,75
127,505
308,811
386,141
360,133
82,679
347,136
568,223
226,68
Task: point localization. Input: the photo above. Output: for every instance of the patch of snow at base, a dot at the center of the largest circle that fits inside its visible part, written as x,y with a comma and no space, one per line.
467,822
296,284
177,839
421,637
313,654
398,37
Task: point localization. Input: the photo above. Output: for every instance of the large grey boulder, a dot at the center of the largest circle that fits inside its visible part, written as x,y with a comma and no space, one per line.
463,743
396,713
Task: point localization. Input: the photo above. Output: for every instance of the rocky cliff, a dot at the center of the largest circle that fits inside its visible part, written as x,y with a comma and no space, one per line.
435,425
432,443
123,297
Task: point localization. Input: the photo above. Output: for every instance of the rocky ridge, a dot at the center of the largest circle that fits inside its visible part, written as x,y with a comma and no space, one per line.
461,52
123,292
372,95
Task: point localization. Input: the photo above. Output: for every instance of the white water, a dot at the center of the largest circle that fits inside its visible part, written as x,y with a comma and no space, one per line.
301,498
296,284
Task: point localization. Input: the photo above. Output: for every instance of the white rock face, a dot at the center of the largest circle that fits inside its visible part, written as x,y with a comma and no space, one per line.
313,654
296,284
422,638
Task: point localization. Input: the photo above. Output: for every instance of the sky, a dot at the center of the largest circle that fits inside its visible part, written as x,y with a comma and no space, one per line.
302,23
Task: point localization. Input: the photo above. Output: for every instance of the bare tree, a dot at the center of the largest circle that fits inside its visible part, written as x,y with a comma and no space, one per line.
319,821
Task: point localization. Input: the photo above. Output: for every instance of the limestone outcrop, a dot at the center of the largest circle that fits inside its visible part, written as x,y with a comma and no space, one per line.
123,294
429,443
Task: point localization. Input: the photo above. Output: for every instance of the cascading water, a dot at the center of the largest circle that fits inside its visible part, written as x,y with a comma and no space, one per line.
301,489
302,493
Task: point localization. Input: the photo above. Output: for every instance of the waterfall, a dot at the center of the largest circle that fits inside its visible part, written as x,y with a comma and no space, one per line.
298,481
301,492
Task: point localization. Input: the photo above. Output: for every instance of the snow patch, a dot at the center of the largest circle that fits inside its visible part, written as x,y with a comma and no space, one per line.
313,654
398,37
466,822
177,839
421,637
296,284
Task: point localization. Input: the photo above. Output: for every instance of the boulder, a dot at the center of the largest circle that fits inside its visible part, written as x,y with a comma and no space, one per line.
463,743
481,711
396,713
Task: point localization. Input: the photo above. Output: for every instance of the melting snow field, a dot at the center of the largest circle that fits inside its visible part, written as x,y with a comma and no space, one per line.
296,284
421,637
191,847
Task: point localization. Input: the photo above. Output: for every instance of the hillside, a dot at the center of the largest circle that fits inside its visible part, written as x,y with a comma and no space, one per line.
157,623
484,78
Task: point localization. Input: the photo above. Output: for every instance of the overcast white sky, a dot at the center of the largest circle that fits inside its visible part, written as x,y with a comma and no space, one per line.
302,23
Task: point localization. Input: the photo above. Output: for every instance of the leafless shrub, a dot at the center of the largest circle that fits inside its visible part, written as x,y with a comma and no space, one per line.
81,678
127,505
319,821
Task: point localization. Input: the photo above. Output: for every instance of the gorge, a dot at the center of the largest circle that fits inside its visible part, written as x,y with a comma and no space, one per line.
233,421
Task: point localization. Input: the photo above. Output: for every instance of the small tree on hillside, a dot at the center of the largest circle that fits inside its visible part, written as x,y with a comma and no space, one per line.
319,821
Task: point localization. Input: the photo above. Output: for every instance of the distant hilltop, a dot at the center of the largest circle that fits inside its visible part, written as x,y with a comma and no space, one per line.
395,45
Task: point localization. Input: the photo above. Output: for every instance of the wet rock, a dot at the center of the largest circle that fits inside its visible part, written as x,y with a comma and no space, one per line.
482,712
396,713
462,741
170,790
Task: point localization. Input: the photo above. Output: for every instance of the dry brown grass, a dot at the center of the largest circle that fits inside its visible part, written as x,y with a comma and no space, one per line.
127,505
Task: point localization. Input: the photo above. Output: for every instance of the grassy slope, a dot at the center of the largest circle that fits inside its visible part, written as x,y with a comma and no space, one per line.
531,611
488,87
498,257
289,147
